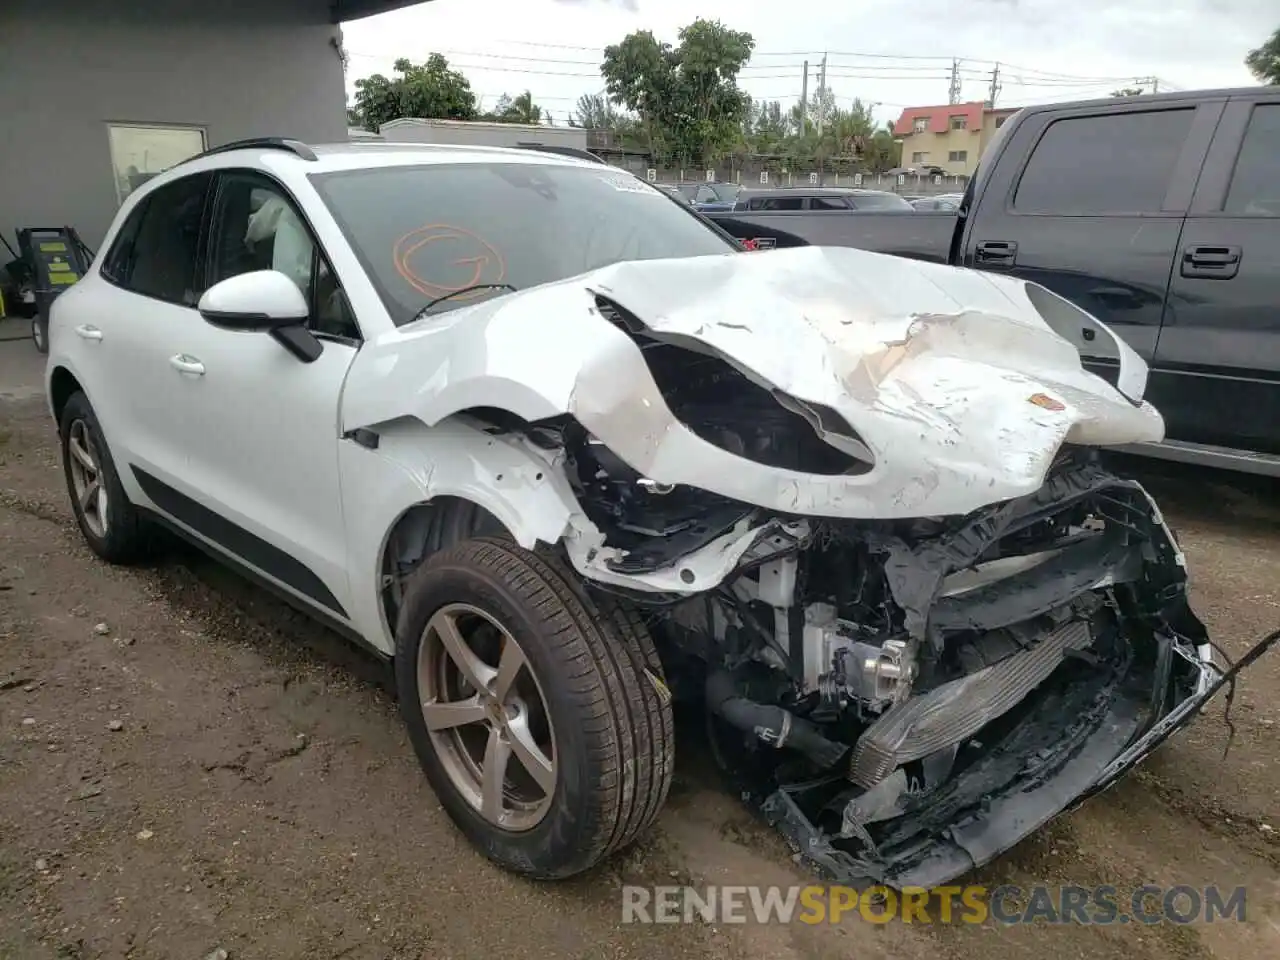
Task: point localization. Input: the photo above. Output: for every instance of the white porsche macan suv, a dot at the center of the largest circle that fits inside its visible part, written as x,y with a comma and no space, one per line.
554,446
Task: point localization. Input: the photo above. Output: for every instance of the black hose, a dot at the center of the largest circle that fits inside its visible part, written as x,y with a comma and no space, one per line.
771,724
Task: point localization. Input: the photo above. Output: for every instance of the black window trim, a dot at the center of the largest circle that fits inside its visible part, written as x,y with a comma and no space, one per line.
1182,179
318,250
140,211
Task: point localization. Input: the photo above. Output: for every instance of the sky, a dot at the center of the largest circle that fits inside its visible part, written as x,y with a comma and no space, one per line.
892,53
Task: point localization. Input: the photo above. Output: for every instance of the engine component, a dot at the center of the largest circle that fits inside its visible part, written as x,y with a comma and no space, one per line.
954,711
843,668
773,725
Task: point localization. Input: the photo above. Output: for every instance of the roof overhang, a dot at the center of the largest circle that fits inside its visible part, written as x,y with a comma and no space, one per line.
357,9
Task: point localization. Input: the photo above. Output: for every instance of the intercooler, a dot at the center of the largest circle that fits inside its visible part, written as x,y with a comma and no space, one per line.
954,711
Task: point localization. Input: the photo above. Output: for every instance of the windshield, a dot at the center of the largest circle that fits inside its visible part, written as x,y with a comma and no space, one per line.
725,191
425,231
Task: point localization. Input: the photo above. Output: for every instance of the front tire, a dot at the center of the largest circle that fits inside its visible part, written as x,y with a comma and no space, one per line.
109,523
40,333
539,716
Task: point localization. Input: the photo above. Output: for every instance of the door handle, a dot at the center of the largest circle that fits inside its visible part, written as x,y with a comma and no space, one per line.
187,364
1211,262
996,253
87,331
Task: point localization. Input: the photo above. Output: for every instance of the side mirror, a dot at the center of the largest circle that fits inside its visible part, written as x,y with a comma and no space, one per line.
265,301
260,300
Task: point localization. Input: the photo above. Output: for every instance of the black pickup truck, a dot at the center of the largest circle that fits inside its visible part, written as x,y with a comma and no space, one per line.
1160,215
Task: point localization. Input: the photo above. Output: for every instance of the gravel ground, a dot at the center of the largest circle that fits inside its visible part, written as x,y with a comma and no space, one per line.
186,766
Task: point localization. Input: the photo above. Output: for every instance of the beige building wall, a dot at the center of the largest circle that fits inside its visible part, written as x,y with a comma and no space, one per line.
955,150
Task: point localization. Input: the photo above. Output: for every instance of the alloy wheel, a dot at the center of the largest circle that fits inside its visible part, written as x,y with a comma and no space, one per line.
487,716
87,479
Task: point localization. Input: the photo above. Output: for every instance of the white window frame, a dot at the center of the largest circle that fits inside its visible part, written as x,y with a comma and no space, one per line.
164,159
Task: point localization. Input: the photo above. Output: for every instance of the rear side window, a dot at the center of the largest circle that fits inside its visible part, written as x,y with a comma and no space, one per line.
1255,184
155,254
828,203
782,203
1110,165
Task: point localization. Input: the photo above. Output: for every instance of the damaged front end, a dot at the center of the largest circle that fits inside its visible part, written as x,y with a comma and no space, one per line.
903,697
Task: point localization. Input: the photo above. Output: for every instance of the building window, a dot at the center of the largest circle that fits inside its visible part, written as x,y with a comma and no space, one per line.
920,156
920,125
960,122
138,153
958,156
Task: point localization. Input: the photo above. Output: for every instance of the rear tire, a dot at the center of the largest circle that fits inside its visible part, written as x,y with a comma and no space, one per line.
110,524
602,722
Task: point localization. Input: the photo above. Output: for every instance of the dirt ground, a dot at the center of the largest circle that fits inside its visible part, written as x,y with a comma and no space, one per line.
186,766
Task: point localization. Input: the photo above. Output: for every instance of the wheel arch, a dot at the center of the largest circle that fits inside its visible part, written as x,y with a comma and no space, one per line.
62,385
422,529
427,487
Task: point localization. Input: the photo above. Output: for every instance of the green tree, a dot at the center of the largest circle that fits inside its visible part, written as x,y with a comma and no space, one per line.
430,91
595,112
518,109
883,151
686,96
1128,92
1264,62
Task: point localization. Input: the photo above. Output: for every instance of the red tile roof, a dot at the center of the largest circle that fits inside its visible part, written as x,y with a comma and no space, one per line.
940,117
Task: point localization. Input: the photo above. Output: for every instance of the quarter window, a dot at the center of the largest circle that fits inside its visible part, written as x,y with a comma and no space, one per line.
1255,187
1116,164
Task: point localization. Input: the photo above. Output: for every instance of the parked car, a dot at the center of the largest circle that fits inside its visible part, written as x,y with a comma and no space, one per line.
711,196
942,203
824,199
673,190
558,451
1160,215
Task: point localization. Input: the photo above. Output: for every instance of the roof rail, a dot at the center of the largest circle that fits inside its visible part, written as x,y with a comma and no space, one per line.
575,152
296,147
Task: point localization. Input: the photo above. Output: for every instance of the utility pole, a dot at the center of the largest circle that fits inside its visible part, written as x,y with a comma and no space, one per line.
954,92
822,94
804,101
995,87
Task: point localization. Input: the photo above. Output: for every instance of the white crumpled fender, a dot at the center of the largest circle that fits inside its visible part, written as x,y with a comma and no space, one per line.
955,380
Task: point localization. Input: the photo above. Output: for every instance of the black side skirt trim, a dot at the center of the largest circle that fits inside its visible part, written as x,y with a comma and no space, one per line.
238,541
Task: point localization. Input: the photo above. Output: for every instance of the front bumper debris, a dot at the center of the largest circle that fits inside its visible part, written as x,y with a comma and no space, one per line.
1037,771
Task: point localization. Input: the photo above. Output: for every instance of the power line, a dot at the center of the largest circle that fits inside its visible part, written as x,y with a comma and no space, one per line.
917,64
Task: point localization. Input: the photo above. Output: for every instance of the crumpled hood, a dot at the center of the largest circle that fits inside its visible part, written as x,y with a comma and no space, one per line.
958,382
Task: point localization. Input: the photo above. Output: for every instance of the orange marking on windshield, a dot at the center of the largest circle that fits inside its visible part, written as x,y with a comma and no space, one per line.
486,264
